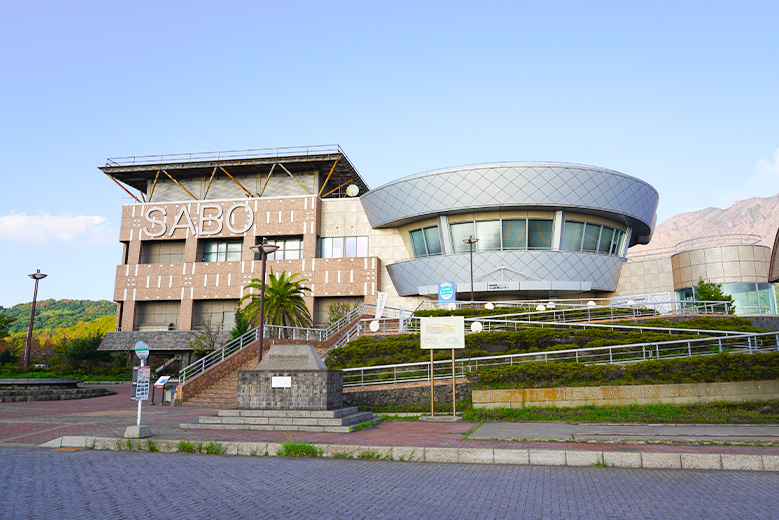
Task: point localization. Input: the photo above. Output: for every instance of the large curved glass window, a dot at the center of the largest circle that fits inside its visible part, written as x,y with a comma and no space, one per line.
497,235
592,238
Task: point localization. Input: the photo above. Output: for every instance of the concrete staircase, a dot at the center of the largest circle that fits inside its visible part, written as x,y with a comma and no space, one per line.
223,393
343,420
217,387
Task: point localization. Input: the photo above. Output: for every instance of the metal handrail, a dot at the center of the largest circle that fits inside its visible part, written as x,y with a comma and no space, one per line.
749,342
278,332
255,153
501,324
676,306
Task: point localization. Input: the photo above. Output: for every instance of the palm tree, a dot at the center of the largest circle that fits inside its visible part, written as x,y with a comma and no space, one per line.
284,304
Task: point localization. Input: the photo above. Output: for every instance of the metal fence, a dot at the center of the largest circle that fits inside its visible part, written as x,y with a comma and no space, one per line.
644,307
617,354
257,153
280,332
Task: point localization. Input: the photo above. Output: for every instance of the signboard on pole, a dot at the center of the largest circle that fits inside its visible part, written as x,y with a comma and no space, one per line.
142,384
141,350
447,332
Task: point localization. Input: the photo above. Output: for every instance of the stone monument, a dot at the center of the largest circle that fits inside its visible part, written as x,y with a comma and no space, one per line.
291,389
290,377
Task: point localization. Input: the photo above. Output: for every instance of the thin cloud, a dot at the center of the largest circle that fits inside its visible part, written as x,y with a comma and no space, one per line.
762,182
42,229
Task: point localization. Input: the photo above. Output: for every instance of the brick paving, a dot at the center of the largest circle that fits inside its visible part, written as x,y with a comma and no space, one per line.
89,484
34,423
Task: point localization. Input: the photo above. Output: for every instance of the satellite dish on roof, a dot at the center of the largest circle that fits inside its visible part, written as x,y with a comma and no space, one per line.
352,190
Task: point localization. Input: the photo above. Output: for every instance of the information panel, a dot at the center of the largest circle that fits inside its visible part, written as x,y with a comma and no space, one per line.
142,384
446,333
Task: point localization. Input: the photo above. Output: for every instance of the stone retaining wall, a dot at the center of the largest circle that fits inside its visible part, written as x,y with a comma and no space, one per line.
51,394
696,393
418,395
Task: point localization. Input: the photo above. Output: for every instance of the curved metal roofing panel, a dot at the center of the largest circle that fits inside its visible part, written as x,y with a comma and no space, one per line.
513,186
591,271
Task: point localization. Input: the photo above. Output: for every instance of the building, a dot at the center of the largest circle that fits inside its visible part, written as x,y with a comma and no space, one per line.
545,230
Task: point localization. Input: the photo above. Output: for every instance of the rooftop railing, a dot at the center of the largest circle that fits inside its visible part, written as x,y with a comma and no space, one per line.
727,239
255,153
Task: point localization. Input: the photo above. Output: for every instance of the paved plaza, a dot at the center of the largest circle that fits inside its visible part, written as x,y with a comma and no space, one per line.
90,484
101,423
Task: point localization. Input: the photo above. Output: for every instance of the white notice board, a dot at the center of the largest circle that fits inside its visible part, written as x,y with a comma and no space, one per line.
445,333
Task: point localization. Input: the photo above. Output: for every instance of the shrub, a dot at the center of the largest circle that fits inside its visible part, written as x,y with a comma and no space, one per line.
702,369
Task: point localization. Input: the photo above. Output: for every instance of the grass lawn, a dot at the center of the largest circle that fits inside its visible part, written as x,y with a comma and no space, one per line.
717,413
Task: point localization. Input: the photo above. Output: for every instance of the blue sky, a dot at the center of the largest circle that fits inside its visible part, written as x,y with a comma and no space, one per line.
680,94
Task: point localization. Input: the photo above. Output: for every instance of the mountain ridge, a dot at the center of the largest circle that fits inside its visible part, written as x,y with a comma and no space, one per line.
753,216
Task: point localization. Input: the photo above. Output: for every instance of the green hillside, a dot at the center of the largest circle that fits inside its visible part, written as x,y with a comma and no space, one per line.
57,314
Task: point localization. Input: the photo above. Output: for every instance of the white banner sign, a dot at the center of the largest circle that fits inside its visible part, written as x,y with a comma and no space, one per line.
381,301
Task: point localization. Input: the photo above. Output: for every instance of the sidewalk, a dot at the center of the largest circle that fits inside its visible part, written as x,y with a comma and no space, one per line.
101,422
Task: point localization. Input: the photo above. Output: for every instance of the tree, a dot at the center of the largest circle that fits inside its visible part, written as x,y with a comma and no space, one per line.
5,324
712,292
207,338
241,323
336,311
284,303
82,352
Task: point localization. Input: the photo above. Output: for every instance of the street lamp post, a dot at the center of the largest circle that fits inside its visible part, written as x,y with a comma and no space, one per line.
470,241
37,275
263,250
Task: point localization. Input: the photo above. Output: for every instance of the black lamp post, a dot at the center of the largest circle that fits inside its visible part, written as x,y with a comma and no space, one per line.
263,250
470,241
37,275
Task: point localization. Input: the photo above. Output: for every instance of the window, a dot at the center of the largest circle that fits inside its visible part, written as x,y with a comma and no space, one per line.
162,252
539,234
425,241
514,234
219,313
157,315
343,247
592,238
591,235
460,232
290,248
489,234
506,235
572,236
222,250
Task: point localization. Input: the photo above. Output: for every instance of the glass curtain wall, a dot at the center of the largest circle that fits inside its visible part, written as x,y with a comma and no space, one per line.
592,238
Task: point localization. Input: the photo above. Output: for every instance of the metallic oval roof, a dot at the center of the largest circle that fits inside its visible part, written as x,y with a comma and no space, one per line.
522,186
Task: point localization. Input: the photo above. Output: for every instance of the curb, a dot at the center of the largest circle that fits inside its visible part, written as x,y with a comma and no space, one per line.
520,457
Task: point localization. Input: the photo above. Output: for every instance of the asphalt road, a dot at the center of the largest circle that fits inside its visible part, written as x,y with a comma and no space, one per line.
88,484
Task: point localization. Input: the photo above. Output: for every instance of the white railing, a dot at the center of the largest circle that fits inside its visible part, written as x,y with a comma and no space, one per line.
556,318
616,354
280,332
663,307
257,153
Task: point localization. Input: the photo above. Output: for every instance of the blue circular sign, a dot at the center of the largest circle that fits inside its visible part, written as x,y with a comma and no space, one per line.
445,291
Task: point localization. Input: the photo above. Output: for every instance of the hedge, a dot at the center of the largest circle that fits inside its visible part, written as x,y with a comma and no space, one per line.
702,369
